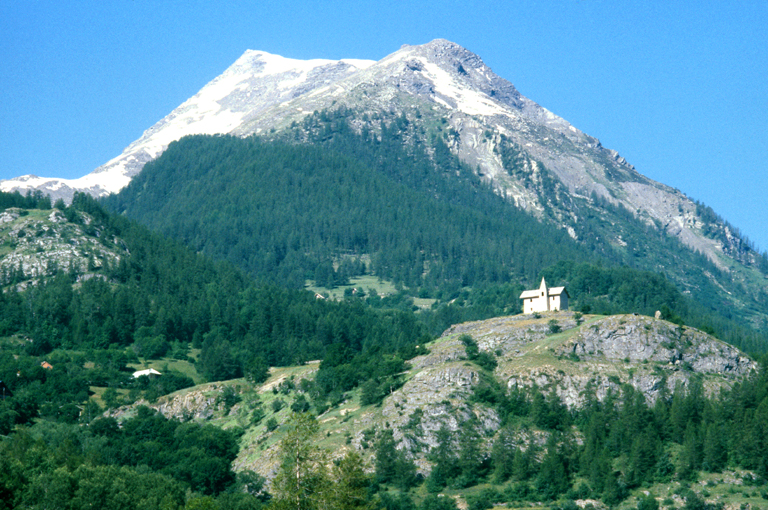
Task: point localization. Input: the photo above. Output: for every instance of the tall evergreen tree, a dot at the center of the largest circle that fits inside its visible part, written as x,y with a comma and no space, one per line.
302,481
553,478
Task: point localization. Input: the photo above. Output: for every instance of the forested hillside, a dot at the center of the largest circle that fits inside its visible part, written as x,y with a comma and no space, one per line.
161,300
290,213
486,445
285,212
299,304
69,337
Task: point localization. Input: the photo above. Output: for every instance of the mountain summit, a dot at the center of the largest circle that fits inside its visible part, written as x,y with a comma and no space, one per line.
537,160
255,82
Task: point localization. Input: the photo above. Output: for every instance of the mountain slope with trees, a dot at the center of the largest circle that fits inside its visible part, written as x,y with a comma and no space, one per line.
289,213
153,298
490,415
397,179
284,212
535,159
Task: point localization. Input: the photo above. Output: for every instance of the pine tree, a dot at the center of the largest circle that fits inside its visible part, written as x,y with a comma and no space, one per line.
552,479
503,455
350,489
386,457
470,456
643,458
524,463
689,460
302,480
393,465
443,459
715,452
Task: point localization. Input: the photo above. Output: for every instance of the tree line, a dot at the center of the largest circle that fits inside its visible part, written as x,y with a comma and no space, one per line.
286,212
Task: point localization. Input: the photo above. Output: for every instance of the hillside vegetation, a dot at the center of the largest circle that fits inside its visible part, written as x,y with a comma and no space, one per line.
371,203
333,309
285,212
493,411
502,412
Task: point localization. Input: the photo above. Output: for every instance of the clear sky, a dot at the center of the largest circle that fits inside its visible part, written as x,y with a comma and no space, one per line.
679,88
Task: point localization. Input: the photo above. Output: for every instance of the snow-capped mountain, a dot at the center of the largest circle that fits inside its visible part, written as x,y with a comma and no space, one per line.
532,156
256,81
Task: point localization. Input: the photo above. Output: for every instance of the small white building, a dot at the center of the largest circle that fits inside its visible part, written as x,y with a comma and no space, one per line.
150,372
545,299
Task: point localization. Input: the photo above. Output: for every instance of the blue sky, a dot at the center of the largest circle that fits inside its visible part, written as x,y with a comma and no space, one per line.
677,87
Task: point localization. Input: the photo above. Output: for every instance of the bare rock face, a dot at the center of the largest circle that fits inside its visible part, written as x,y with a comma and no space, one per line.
438,396
642,339
200,405
586,357
600,354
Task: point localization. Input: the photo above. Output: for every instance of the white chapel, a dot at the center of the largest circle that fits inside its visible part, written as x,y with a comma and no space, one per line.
545,299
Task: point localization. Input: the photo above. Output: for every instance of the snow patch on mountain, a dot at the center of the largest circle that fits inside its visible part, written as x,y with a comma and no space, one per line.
465,99
256,81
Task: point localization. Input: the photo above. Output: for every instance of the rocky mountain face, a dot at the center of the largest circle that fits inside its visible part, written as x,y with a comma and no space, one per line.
589,357
37,244
650,354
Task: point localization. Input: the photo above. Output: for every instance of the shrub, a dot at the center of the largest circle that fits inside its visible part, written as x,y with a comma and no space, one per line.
647,503
228,398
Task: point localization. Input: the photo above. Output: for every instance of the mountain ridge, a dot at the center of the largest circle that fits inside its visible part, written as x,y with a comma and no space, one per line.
261,92
197,115
535,159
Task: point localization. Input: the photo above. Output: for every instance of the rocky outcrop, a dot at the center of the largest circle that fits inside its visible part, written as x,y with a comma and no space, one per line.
643,339
581,356
199,404
597,355
587,356
37,244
